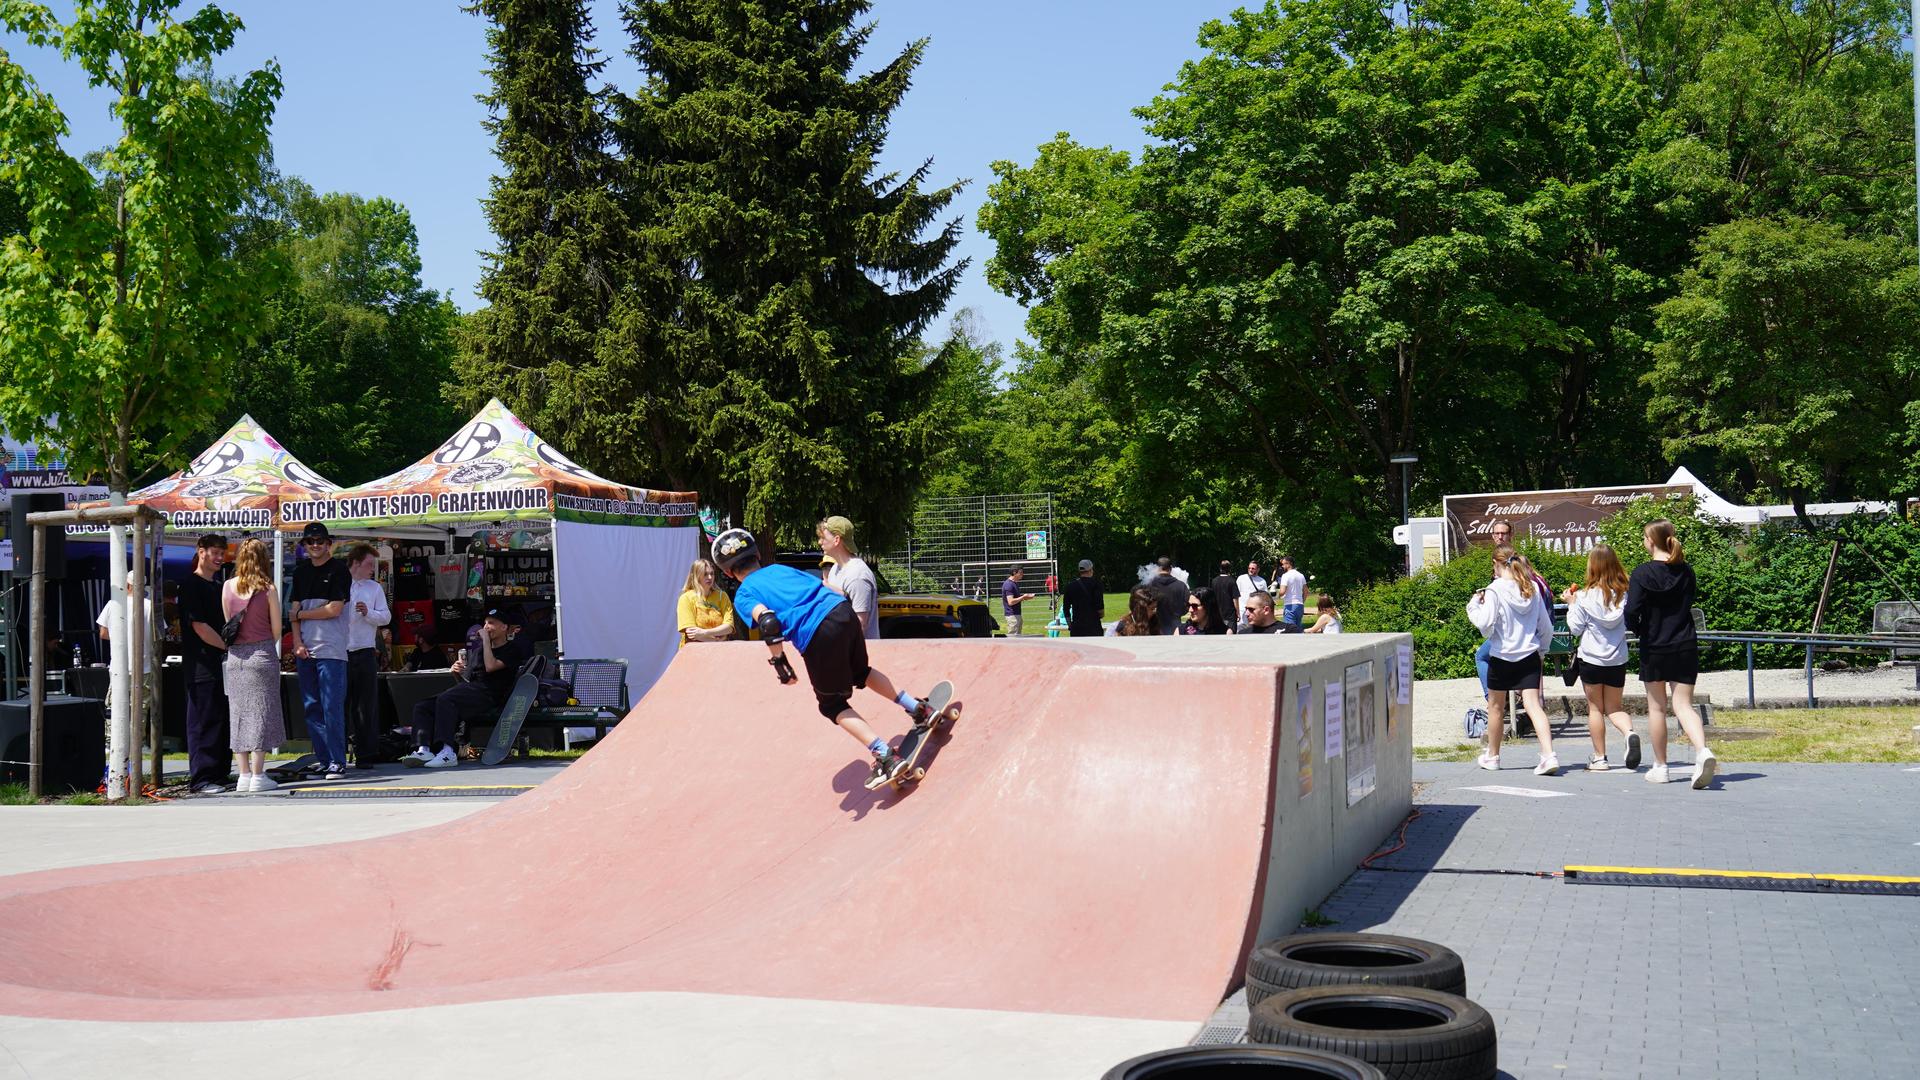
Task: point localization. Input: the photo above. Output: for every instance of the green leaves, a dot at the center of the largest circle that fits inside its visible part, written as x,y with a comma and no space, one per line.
120,305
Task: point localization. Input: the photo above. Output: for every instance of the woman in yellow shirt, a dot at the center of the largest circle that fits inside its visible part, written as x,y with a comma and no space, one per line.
706,611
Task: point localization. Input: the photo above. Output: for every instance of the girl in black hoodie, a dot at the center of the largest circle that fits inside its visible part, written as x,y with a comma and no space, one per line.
1660,597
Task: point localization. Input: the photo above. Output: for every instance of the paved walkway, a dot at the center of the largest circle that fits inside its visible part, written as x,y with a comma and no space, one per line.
1641,981
1439,703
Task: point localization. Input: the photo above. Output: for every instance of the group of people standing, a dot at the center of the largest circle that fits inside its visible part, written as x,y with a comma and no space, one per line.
1165,605
1514,614
230,644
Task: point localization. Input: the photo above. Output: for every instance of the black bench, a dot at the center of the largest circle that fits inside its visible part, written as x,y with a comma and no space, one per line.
600,686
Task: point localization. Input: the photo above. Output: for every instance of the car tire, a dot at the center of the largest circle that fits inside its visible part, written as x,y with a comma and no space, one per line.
1251,1062
1407,1032
1302,960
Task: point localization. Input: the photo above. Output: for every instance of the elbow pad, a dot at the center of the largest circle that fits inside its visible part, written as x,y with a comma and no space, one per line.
769,626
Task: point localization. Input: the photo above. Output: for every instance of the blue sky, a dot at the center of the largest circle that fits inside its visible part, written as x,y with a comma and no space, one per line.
379,100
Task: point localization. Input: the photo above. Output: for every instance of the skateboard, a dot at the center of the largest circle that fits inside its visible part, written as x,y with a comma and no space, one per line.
297,769
940,702
512,715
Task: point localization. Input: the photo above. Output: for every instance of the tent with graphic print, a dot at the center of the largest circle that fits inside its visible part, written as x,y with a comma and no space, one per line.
620,552
235,485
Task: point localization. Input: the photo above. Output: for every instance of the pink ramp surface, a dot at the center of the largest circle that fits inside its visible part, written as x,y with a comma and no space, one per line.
1089,841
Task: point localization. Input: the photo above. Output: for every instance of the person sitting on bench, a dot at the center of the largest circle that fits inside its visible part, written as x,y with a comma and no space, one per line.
487,671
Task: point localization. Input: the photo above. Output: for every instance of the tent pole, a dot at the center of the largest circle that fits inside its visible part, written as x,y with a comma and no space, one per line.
559,624
279,559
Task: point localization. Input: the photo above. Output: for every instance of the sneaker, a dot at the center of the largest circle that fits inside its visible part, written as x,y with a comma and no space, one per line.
445,759
1598,764
1657,774
1549,766
1489,762
336,771
244,783
1633,751
922,715
263,782
417,758
1704,768
209,788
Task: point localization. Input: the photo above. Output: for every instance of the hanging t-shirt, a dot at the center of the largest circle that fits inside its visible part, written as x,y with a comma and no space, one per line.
798,599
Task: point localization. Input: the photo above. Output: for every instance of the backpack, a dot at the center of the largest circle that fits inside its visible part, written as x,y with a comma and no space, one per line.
1476,722
554,691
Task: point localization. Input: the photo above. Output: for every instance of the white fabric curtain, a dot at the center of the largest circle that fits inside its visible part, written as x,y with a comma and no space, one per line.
617,586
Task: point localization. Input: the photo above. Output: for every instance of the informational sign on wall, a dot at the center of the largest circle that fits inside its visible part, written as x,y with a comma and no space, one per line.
1361,720
1565,520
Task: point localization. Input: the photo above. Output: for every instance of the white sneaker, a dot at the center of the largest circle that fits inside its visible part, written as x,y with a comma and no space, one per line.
1598,764
445,759
417,758
244,784
1657,774
1549,766
263,782
1703,769
1489,762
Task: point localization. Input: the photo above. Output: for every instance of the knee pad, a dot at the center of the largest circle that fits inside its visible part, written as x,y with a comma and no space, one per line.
832,707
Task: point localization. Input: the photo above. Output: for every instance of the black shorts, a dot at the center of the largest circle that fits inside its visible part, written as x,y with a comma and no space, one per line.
1513,674
836,655
1595,675
1679,666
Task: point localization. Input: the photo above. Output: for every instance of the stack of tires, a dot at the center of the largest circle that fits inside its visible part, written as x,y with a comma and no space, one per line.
1396,1003
1349,1006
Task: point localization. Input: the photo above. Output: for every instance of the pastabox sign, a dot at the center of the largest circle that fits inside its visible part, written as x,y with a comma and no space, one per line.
1565,520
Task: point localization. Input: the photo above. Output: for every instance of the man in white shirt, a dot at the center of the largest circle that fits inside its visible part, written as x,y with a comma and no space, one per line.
851,577
1293,593
367,612
1249,583
146,662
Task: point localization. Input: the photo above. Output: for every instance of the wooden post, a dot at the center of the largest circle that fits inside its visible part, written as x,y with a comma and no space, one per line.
1826,587
37,665
137,627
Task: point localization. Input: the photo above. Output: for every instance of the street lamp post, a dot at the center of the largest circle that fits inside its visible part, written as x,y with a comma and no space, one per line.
1406,459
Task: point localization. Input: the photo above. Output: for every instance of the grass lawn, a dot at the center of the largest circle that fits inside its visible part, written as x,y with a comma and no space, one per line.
16,795
1774,735
1849,735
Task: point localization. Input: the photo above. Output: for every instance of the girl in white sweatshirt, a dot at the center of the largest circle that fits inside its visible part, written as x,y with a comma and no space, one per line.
1598,613
1513,615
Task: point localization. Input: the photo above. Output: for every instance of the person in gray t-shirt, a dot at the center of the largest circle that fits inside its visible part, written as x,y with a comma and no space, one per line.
851,576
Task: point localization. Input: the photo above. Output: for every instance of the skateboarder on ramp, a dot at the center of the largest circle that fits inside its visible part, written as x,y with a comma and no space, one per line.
787,604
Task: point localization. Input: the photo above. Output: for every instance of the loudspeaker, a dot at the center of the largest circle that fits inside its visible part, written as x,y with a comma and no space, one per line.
75,754
22,535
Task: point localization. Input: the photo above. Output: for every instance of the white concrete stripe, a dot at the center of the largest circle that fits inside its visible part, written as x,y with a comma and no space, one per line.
629,1035
1530,793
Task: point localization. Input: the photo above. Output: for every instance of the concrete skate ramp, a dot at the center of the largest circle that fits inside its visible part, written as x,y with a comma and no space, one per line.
1090,840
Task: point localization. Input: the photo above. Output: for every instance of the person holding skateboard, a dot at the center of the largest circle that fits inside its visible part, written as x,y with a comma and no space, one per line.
487,673
785,604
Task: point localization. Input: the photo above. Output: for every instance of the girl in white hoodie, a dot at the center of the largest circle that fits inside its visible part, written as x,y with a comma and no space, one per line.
1512,614
1598,613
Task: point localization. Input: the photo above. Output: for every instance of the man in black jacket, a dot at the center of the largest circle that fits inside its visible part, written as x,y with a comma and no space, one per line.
1225,591
1173,597
1083,604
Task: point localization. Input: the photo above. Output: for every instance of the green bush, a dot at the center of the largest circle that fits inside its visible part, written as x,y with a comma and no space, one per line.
1432,606
1766,579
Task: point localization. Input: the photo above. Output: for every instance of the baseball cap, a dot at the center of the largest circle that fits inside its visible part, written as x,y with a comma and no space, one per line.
510,616
1086,564
314,531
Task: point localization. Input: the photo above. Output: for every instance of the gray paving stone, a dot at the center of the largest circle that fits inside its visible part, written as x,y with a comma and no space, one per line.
1586,980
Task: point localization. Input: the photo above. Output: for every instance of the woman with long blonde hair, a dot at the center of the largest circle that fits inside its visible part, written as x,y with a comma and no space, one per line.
705,609
1598,613
252,670
1512,614
1660,598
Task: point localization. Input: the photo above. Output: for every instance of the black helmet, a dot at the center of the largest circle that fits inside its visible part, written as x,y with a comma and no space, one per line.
734,547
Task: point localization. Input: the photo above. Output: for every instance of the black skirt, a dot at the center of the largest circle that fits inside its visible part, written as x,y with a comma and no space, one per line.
1513,674
1678,666
1595,675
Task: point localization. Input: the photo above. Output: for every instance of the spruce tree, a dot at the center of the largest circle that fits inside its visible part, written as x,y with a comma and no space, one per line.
549,287
764,345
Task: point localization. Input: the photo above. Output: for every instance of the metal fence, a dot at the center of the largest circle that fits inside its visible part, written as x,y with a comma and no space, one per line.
966,546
